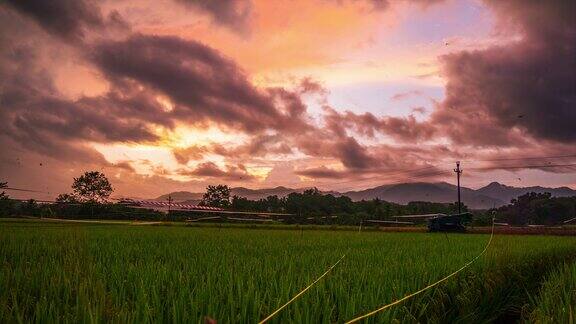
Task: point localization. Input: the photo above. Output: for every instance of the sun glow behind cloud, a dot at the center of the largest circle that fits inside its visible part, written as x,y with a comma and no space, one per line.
183,136
198,94
158,158
148,158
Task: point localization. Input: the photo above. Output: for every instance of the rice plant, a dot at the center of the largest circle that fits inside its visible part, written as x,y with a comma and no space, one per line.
556,301
139,274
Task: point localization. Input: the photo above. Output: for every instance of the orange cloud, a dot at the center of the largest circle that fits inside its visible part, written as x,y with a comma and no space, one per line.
286,34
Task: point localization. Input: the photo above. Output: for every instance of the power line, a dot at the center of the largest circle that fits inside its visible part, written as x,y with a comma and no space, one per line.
421,176
534,166
26,190
439,172
386,173
417,175
399,172
527,158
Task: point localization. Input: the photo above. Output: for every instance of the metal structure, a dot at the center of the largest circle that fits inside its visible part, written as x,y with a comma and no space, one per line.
220,214
384,222
458,173
449,223
166,206
437,222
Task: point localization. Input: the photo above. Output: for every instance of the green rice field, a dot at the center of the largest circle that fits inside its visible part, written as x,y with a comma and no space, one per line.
556,302
93,273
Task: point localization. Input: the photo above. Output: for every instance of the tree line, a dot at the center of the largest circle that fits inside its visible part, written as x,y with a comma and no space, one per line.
89,199
311,203
538,209
91,191
528,209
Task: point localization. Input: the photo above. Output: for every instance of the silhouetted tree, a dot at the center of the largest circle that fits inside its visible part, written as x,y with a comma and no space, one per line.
2,186
241,203
66,198
216,196
6,205
92,186
538,208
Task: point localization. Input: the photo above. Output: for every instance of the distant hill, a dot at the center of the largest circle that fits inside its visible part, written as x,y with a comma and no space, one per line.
423,191
252,194
492,195
508,193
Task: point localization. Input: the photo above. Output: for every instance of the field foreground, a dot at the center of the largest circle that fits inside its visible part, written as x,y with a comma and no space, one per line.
54,272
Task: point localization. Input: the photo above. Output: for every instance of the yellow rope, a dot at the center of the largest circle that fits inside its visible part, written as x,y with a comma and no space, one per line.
427,287
300,293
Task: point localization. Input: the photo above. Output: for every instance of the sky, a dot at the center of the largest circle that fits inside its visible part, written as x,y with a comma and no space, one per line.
174,95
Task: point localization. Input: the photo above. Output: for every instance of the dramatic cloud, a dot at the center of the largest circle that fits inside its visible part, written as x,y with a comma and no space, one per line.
157,87
204,85
35,114
310,86
68,19
353,155
403,129
232,14
184,155
321,172
494,96
400,173
259,146
211,170
65,18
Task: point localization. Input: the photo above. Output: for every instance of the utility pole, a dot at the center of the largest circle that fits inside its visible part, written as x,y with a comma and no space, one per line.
458,173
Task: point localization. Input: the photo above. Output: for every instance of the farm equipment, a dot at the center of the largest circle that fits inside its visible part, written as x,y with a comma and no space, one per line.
435,222
449,223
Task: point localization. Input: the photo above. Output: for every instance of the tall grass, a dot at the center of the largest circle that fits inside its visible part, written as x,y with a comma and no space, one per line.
97,273
556,301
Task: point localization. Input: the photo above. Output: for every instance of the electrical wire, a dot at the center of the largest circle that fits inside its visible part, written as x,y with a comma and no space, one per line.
382,174
26,190
400,172
533,166
527,158
504,167
301,292
430,286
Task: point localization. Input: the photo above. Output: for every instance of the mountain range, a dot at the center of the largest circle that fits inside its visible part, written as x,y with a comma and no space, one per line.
492,195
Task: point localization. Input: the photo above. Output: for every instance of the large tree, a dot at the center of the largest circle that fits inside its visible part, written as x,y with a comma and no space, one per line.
92,186
2,186
5,203
216,196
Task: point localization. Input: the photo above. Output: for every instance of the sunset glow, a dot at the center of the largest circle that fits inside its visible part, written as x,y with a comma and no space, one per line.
176,94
